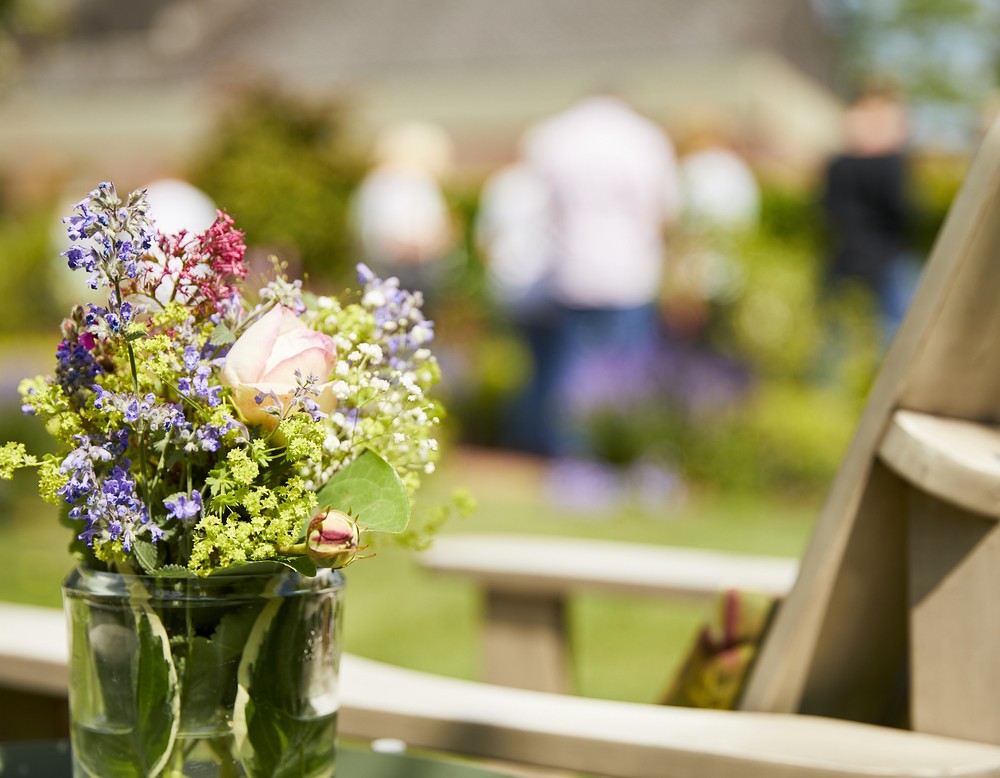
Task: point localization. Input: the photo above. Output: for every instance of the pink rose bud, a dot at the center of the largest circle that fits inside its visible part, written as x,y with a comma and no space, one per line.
332,539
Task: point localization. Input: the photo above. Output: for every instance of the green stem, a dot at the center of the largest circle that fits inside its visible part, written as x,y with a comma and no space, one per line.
141,426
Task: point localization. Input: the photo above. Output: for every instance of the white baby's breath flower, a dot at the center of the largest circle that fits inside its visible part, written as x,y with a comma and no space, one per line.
373,299
372,351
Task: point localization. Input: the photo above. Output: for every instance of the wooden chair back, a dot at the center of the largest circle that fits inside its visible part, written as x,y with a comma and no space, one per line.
891,618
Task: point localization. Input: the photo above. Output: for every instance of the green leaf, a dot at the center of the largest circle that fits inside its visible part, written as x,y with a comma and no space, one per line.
371,491
300,564
198,670
147,555
248,568
284,719
221,335
173,571
209,668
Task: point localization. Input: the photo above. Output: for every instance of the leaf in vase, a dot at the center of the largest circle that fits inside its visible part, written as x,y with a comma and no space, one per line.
147,554
284,720
371,491
201,691
133,669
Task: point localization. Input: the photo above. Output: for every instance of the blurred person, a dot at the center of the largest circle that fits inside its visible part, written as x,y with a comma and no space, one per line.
400,213
612,180
720,191
514,234
721,203
866,206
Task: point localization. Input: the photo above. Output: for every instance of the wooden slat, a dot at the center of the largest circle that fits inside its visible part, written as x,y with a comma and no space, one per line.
33,649
953,459
629,740
559,566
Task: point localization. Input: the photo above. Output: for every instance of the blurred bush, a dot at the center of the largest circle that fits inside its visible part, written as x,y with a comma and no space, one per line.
28,257
285,169
936,180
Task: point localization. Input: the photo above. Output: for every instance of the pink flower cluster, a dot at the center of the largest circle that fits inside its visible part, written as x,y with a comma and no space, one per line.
200,270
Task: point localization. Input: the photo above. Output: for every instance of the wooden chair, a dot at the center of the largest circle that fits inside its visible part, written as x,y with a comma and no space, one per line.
890,620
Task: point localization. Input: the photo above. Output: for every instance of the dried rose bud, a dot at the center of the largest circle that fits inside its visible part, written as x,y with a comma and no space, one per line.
332,539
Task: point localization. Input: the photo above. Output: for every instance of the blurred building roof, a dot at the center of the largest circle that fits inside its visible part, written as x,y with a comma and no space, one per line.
144,79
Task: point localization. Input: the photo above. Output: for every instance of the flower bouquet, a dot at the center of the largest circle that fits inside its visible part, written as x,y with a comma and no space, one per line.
223,452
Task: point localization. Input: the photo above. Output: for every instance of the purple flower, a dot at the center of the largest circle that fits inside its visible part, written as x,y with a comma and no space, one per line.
105,500
185,508
109,236
76,368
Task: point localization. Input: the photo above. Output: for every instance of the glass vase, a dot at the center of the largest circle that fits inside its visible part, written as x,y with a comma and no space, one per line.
223,677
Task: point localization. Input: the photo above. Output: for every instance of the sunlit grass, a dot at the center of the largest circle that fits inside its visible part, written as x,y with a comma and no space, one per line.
399,613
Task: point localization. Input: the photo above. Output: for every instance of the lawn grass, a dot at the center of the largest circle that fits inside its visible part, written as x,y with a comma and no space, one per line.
396,612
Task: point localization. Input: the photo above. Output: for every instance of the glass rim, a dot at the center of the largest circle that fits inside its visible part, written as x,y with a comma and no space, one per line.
83,581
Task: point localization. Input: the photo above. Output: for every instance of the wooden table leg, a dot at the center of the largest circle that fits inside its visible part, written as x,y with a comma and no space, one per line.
526,642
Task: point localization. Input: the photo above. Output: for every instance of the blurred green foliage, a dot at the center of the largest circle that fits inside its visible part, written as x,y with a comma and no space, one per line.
28,255
285,169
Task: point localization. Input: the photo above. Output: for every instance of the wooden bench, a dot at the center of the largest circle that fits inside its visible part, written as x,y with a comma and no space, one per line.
529,580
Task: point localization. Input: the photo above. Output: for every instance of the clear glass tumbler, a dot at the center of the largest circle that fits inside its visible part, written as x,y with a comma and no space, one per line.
222,677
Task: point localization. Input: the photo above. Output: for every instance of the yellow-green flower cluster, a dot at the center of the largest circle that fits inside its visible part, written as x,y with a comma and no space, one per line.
252,515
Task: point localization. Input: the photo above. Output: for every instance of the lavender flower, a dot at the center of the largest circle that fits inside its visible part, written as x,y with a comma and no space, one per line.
185,508
109,236
146,410
106,502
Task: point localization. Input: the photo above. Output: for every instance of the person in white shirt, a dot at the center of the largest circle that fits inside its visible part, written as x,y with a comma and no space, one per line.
399,211
613,188
720,190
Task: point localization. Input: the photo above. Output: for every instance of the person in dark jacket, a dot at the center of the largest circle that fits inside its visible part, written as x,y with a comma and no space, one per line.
866,206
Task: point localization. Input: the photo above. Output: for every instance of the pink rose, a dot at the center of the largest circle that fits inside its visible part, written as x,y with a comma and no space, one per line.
265,359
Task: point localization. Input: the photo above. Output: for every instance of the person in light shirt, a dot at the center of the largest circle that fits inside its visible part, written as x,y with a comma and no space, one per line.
613,188
399,211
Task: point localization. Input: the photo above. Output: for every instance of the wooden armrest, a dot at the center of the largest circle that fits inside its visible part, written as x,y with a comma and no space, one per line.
630,740
954,459
559,566
33,649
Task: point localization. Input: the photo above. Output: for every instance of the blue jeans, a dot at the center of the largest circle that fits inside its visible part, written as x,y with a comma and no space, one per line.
584,340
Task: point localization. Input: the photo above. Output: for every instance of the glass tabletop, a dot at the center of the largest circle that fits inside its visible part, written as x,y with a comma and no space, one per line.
51,759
